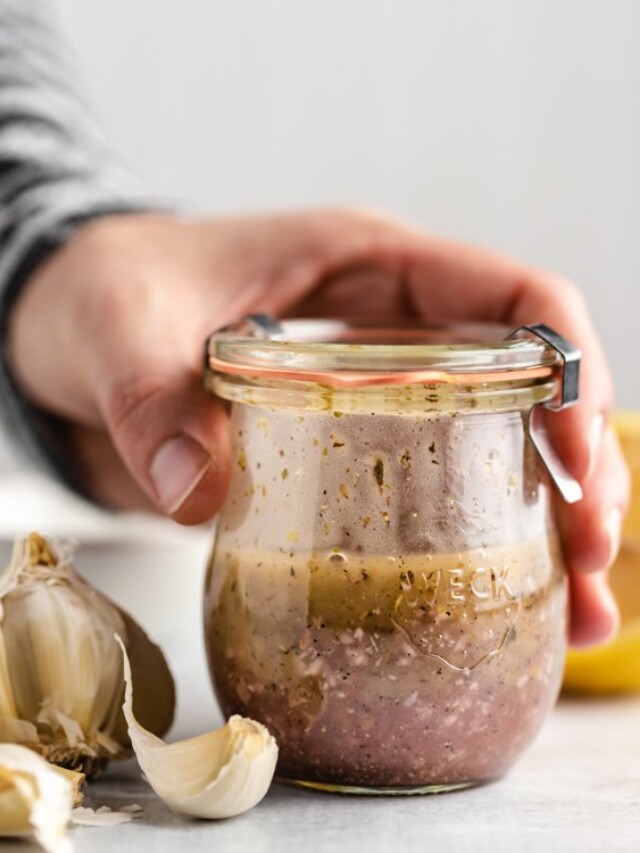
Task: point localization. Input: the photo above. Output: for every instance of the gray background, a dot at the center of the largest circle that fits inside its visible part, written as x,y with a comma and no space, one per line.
513,123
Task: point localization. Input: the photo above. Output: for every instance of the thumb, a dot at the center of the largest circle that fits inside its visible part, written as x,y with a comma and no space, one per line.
172,436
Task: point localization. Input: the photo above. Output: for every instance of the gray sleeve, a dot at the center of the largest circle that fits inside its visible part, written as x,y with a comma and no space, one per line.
56,172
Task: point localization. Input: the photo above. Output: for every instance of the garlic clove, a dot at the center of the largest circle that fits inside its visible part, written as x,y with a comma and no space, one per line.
60,668
215,775
35,798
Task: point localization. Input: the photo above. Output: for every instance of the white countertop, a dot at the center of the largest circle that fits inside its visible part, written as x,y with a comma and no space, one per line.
577,789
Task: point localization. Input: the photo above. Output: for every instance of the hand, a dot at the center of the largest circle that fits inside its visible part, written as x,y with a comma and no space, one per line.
108,334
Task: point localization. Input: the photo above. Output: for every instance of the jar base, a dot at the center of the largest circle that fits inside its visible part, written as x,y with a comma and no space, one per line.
379,791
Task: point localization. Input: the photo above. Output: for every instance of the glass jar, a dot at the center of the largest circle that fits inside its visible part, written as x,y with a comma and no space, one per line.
386,592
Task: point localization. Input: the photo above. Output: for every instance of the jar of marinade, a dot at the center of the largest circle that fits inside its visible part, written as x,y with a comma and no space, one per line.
386,591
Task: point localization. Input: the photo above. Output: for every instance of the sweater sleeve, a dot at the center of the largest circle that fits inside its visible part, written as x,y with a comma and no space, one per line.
56,172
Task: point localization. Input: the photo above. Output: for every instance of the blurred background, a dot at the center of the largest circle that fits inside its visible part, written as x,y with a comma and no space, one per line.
510,123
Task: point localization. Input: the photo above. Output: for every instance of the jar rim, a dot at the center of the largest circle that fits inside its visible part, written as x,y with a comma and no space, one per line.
360,354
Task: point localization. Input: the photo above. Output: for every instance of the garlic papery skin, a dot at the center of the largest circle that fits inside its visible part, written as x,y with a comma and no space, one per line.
215,775
76,780
60,668
35,798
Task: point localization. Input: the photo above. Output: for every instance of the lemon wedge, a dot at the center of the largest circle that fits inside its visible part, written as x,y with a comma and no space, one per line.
615,668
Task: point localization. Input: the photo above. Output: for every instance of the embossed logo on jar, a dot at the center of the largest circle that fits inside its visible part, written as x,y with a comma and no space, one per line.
435,612
457,586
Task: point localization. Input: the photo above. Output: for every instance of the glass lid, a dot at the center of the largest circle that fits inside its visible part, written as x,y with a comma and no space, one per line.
359,354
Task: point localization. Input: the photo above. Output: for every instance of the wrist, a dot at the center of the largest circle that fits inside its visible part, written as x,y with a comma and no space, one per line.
47,322
42,377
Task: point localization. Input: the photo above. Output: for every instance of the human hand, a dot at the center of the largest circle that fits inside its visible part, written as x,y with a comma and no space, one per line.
108,334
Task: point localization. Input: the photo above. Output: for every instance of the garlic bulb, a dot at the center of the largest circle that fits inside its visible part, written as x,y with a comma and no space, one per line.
35,798
216,775
60,668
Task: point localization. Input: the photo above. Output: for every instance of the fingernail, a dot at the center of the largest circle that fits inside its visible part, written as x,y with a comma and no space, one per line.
176,469
596,431
613,526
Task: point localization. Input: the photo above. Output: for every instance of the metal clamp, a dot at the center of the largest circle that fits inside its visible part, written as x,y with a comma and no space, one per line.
570,356
565,482
264,326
